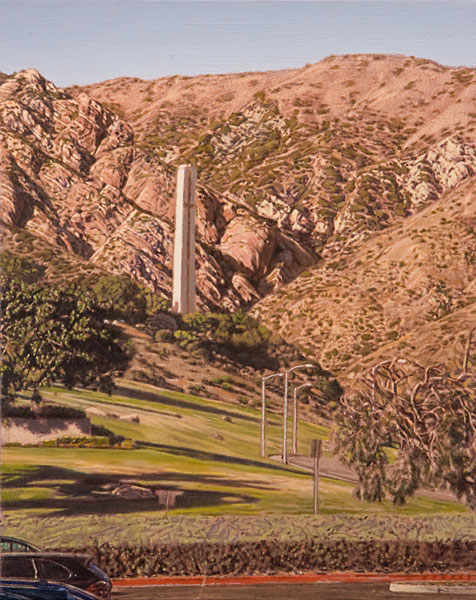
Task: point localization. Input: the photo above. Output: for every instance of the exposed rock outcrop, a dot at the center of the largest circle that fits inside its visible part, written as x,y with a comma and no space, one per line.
73,175
301,172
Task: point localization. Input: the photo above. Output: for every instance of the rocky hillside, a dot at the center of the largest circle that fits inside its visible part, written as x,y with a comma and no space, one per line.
407,291
335,199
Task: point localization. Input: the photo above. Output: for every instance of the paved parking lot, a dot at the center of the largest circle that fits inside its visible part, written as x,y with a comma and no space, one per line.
301,591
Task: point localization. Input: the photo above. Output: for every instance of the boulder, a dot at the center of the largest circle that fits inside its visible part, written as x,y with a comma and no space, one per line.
250,244
132,492
245,289
163,321
132,418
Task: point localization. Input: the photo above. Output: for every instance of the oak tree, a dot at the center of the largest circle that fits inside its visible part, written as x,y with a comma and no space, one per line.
57,334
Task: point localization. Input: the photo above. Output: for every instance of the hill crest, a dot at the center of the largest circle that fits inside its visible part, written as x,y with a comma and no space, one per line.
302,168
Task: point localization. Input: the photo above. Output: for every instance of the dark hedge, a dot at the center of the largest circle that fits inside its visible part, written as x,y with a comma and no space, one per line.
47,411
272,556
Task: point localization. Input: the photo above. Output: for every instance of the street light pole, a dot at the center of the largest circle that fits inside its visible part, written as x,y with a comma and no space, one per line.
295,415
263,410
285,424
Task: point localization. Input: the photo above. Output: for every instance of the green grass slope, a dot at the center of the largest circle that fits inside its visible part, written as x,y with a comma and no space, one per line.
207,450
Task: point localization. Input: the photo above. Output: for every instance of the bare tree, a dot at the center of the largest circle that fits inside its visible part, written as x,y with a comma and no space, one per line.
427,413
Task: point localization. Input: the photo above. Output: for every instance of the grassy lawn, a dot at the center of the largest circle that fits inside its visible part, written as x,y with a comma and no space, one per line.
148,527
208,450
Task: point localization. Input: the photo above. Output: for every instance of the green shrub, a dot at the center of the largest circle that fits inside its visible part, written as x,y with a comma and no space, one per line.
164,335
392,335
127,299
101,432
80,442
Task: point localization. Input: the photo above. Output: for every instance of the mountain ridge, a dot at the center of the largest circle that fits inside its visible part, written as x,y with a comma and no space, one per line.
299,170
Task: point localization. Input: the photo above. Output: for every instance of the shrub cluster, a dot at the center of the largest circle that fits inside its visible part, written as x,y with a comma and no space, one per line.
99,432
273,556
93,441
237,331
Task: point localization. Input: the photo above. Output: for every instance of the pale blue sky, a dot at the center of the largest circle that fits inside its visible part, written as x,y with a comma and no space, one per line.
84,41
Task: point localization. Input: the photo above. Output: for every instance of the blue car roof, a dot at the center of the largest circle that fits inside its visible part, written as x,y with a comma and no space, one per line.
43,590
5,595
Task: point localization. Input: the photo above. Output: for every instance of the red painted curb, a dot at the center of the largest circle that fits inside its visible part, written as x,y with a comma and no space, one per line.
344,577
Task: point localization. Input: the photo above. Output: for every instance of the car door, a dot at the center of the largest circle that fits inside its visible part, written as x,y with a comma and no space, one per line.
18,567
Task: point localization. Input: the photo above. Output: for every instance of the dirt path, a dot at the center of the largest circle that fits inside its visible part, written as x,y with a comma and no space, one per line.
330,466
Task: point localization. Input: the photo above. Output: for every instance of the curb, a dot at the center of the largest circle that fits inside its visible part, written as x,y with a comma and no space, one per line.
337,577
413,588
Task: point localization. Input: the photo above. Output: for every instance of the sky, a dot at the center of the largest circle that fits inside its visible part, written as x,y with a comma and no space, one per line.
85,41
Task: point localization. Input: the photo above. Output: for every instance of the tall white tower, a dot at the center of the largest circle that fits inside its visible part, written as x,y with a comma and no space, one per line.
183,296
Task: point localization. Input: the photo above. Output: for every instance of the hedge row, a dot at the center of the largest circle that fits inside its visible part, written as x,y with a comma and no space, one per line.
46,411
272,556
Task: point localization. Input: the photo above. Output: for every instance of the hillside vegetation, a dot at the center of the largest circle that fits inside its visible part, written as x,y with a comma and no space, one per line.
335,199
407,291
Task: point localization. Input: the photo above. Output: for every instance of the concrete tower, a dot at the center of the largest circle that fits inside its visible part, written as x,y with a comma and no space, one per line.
183,296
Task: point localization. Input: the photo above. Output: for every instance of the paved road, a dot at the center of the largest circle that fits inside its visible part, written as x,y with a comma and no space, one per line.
300,591
330,466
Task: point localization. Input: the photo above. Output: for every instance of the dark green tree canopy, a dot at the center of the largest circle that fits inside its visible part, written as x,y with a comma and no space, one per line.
126,299
57,334
238,330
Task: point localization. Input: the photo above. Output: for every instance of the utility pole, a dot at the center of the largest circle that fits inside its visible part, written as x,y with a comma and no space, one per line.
263,410
295,416
285,417
316,451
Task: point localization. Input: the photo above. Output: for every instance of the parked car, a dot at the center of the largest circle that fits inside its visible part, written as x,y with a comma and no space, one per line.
41,590
12,544
74,569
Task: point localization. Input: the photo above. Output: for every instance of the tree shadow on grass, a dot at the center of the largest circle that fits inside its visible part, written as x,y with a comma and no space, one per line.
80,493
128,392
93,505
48,476
213,456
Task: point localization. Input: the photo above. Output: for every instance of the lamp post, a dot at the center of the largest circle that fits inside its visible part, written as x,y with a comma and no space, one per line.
295,415
263,409
285,425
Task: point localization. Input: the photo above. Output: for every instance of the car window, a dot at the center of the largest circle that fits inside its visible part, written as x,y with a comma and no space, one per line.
19,547
6,546
17,566
54,571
